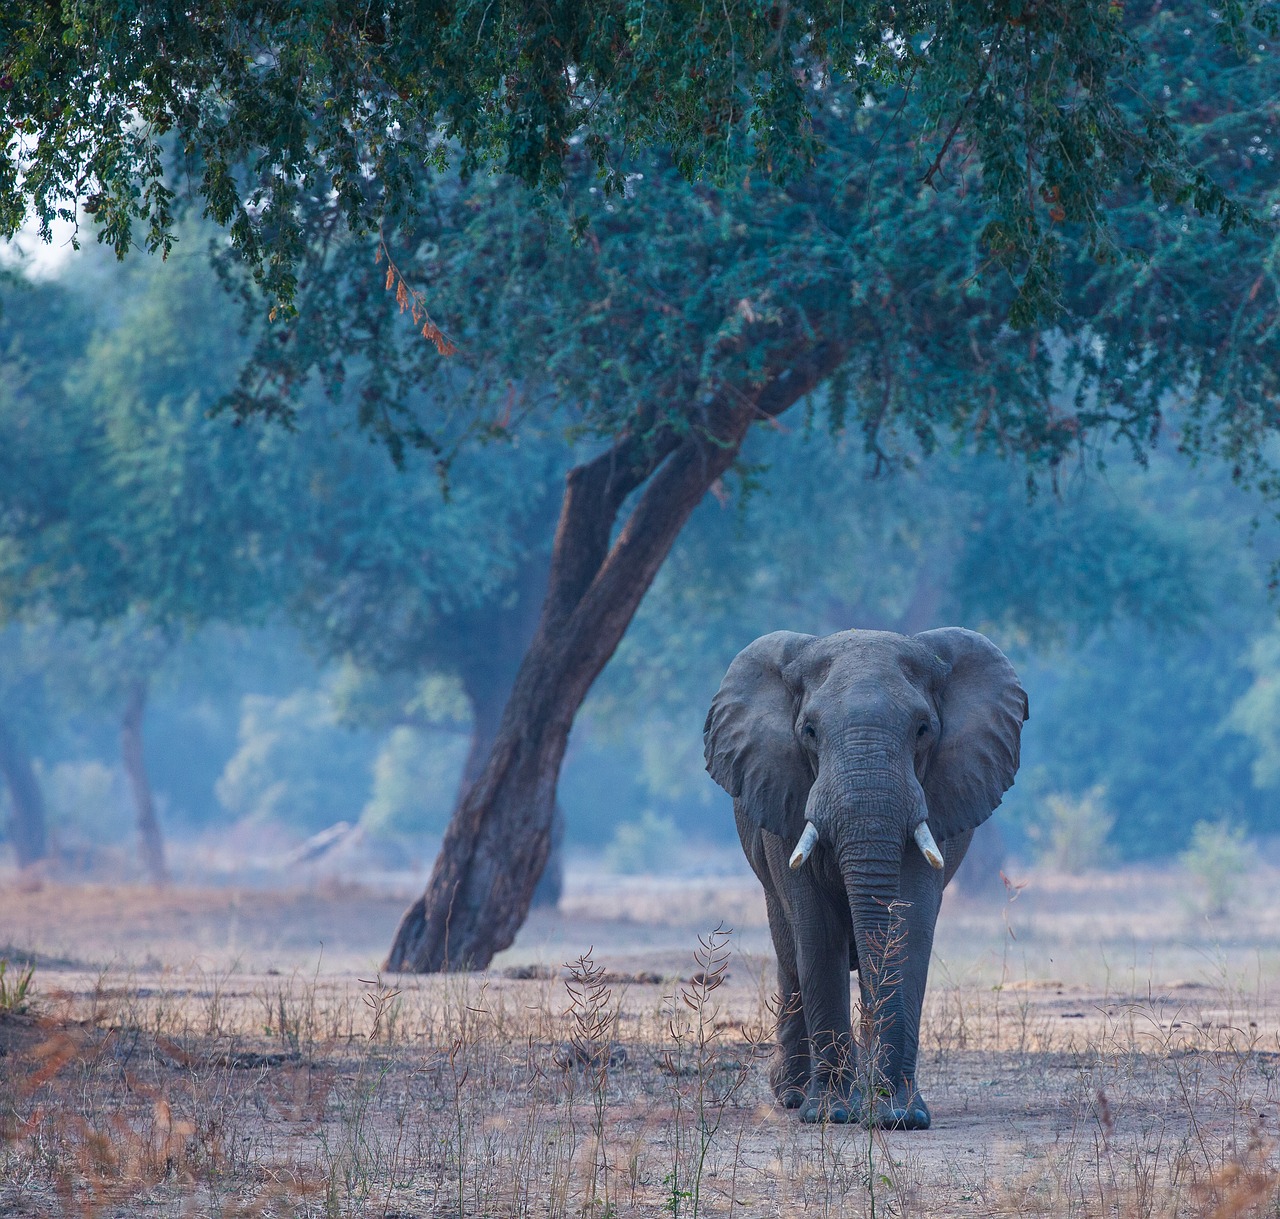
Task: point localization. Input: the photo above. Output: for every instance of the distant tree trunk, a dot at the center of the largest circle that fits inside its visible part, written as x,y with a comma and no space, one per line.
921,611
489,647
27,830
979,874
499,839
150,841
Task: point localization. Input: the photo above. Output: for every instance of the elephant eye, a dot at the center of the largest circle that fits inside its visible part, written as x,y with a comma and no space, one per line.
810,731
923,729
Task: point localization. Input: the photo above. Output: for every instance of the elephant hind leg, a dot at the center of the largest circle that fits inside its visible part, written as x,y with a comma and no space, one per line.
789,1073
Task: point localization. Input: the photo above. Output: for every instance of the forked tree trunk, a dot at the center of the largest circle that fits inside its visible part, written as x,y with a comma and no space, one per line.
150,841
498,841
27,829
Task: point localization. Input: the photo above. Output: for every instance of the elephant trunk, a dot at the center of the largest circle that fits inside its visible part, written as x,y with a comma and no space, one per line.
868,822
880,937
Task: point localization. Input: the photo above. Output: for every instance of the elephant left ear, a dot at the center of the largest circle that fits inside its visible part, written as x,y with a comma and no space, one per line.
982,706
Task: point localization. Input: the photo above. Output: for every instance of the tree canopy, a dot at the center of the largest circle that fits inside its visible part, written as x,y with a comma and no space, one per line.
264,101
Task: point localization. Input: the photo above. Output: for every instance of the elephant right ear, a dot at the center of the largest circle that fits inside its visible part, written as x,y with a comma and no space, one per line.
749,738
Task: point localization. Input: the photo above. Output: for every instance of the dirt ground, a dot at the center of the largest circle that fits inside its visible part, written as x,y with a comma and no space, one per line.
1092,1046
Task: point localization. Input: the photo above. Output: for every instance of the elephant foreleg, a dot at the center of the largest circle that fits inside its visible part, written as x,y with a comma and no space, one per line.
822,962
789,1073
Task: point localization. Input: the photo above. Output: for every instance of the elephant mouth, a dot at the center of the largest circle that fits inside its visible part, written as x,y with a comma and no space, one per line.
922,837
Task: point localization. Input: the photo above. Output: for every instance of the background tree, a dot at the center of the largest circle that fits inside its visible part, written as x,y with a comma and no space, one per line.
1123,577
36,345
794,281
152,527
25,716
1101,575
116,515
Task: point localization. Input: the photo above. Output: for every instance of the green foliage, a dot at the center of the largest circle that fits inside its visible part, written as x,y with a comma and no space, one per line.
1256,714
649,845
263,102
1218,860
731,291
1143,716
13,991
295,765
415,780
1071,835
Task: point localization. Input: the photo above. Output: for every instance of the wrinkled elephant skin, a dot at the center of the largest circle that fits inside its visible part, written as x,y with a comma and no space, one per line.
860,764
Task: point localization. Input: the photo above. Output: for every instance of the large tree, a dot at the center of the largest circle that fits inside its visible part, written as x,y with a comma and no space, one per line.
814,255
686,314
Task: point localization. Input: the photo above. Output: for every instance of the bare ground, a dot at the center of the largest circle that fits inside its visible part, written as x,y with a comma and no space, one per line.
1092,1047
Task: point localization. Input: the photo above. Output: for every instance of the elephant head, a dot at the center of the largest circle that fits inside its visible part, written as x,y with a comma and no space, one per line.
867,745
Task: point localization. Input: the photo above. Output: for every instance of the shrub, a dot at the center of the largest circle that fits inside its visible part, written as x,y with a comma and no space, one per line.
1216,859
296,765
1072,834
13,993
415,779
651,844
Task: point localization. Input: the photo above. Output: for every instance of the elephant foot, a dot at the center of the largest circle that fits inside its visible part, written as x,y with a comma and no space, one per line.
831,1107
905,1110
788,1076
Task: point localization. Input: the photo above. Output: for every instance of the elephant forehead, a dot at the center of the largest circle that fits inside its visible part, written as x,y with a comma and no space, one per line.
878,657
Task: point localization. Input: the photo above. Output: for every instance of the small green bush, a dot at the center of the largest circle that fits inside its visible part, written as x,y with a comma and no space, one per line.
415,779
13,994
1216,859
1072,833
651,844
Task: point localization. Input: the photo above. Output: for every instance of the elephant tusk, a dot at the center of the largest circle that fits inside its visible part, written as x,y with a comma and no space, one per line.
804,848
928,848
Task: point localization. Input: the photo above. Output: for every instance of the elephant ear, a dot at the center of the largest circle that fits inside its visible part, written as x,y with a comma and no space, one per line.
749,738
982,706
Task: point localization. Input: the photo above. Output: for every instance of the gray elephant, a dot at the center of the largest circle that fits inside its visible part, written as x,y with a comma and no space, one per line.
860,765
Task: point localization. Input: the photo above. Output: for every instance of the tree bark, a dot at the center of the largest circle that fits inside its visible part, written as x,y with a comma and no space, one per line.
150,841
488,673
27,827
498,841
488,649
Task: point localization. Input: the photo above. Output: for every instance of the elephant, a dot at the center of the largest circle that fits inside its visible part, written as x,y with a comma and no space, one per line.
860,764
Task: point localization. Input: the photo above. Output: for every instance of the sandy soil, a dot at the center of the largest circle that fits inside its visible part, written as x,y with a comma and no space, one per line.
1092,1046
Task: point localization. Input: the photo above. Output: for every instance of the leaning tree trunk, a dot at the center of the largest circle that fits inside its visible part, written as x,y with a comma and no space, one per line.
487,674
150,841
27,829
498,841
487,693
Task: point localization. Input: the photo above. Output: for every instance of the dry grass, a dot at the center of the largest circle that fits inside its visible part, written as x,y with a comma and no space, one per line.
202,1087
